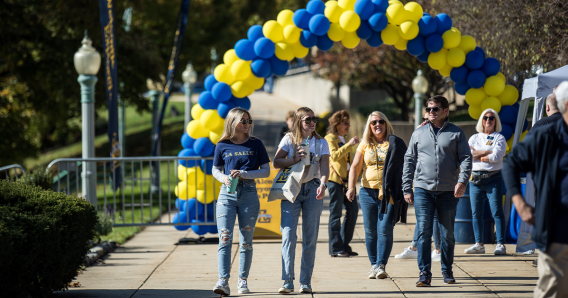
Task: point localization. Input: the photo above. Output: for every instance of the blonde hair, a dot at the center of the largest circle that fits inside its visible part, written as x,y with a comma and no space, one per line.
336,119
233,118
368,134
297,130
480,128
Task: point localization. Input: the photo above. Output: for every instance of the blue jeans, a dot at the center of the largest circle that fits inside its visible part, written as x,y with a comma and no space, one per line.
435,235
489,188
340,235
378,226
311,208
426,204
243,204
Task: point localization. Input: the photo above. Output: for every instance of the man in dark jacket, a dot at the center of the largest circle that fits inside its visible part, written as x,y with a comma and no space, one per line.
551,111
544,153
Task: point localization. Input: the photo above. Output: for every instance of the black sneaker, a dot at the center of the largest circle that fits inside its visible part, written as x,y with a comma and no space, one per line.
449,277
353,254
424,280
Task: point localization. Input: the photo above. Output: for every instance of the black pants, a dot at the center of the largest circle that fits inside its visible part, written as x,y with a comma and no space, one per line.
340,235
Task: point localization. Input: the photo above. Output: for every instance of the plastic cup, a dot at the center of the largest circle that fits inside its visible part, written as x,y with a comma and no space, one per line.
234,181
307,152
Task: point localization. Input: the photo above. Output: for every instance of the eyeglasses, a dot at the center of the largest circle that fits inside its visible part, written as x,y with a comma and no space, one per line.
488,118
434,109
311,119
374,122
246,121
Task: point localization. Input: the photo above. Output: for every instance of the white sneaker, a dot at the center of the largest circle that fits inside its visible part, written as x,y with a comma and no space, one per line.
436,257
242,286
222,287
381,273
475,249
408,253
373,272
500,250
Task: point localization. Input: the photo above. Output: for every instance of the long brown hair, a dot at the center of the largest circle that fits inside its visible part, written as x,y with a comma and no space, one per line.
336,119
296,131
233,118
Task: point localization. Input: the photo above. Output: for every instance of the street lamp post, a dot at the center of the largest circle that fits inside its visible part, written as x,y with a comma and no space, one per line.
87,63
155,174
420,87
189,77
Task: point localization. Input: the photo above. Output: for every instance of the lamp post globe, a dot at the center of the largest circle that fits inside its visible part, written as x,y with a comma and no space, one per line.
420,87
189,77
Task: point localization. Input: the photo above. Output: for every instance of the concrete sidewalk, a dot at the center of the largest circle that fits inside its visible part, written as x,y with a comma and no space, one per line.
152,265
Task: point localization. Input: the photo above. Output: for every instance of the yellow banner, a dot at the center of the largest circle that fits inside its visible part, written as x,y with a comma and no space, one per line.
268,222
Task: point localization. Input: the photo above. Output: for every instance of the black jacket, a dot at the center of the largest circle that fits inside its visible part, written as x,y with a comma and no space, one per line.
546,120
392,179
539,154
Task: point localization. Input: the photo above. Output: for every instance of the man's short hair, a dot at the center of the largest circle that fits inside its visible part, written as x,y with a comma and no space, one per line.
440,100
551,102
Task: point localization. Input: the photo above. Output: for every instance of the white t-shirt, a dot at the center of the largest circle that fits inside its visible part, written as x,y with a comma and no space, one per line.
287,145
494,142
342,139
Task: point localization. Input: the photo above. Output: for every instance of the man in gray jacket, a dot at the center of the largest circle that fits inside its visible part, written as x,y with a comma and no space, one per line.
438,161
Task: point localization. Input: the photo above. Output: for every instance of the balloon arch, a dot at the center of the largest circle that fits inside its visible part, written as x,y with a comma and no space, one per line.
267,50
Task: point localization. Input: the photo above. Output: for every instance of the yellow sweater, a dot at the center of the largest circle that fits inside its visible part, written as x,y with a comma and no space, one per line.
339,156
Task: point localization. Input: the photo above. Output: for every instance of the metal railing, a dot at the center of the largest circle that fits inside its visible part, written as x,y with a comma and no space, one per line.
11,171
132,200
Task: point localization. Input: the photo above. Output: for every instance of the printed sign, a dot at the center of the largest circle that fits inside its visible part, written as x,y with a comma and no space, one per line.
268,222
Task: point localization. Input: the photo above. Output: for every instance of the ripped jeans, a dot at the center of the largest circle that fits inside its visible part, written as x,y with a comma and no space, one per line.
243,204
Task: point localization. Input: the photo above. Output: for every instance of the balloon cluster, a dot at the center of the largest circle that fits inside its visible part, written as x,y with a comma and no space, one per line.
508,116
194,211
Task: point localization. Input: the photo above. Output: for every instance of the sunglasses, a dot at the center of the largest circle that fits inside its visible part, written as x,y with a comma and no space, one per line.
434,109
374,122
245,121
311,119
488,118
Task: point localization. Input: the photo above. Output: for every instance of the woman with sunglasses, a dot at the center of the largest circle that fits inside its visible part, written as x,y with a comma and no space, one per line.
237,155
488,148
309,201
381,157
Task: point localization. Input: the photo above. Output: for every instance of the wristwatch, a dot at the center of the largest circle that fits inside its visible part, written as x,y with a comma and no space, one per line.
323,184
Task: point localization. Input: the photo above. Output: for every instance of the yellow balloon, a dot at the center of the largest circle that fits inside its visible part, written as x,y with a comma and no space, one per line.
509,95
467,43
390,35
190,175
273,31
254,82
208,181
292,34
335,33
438,60
299,50
219,130
210,119
350,40
284,51
185,191
333,11
523,135
285,18
491,103
414,10
214,137
350,21
241,70
456,57
206,197
494,86
510,142
223,74
240,89
196,111
396,13
474,111
452,38
474,97
446,70
196,130
347,4
230,57
408,30
502,76
401,44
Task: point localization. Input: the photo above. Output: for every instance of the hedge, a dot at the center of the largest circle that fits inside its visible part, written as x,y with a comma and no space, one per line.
43,239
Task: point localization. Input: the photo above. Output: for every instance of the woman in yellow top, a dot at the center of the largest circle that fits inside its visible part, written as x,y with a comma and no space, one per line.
339,162
381,157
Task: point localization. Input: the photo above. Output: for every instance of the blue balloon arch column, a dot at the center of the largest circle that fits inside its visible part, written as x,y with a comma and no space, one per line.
267,50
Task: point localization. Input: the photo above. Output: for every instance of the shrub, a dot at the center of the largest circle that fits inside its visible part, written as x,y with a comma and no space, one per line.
43,239
38,177
103,226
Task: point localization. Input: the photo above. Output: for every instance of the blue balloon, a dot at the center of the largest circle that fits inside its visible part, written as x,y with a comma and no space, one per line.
427,25
462,88
364,8
302,19
181,205
375,40
416,46
224,107
491,66
315,7
508,115
516,106
244,49
525,125
264,48
180,217
378,21
254,33
423,57
459,74
221,92
364,30
260,68
192,208
381,5
209,82
319,25
187,153
324,43
199,230
213,230
241,102
434,43
187,141
206,100
203,147
476,79
308,39
480,50
207,166
474,60
506,131
195,209
278,66
443,23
